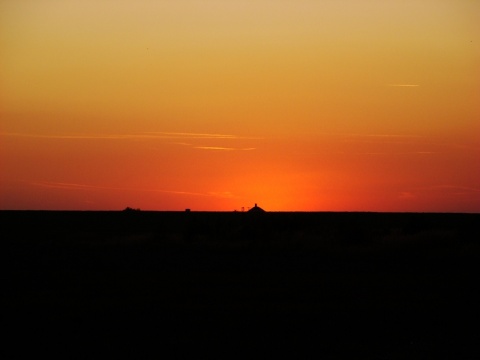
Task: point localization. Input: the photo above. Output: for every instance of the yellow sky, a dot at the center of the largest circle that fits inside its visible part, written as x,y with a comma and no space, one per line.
215,105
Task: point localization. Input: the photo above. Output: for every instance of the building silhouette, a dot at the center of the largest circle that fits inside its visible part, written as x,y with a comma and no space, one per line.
256,210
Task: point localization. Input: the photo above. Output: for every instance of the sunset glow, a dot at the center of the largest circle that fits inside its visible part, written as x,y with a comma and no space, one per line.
217,105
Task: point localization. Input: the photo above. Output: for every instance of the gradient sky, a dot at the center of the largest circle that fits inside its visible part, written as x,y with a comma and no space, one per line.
341,105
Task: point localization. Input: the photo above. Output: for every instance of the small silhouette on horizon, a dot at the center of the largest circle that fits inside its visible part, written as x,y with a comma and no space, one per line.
129,209
256,209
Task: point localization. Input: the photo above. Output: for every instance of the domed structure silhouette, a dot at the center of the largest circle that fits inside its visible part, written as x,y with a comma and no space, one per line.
256,210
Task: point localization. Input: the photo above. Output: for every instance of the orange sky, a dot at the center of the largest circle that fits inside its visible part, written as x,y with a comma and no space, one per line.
214,105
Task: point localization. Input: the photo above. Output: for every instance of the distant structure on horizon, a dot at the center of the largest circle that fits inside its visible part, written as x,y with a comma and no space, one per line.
256,210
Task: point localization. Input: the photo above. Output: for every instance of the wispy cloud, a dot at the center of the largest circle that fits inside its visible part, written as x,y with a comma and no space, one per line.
132,136
453,188
74,186
456,191
182,143
61,185
400,153
222,148
445,190
403,85
405,195
213,148
76,136
188,135
191,140
401,136
419,141
368,135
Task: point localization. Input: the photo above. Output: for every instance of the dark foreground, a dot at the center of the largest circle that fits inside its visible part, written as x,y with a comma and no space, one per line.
301,285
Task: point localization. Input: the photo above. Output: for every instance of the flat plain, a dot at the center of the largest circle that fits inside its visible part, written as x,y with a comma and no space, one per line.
326,285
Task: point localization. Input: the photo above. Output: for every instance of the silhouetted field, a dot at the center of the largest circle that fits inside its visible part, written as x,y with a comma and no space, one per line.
175,284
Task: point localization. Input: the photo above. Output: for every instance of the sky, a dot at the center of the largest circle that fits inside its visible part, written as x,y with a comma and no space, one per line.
335,105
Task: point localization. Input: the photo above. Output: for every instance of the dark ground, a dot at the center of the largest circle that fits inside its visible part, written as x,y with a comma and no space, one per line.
300,285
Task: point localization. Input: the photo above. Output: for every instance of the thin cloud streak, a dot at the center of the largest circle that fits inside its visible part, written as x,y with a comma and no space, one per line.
400,153
73,186
446,190
452,187
384,136
80,137
213,148
186,135
403,85
222,148
405,195
345,134
182,143
139,136
183,135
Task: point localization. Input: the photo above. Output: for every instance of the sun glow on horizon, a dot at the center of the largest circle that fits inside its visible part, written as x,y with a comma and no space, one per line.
213,105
